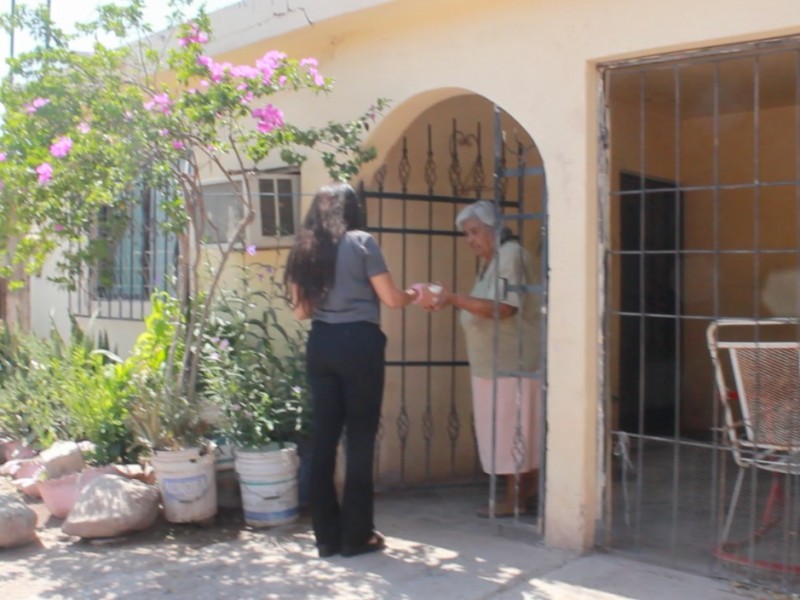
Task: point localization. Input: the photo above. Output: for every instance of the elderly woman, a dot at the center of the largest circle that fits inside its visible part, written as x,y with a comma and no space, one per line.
518,345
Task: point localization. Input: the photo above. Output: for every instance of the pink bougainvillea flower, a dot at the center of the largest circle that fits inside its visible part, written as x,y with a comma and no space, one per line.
58,227
178,145
3,156
205,61
247,98
159,102
83,127
311,64
195,36
163,132
282,80
218,70
268,63
61,147
270,117
245,71
36,105
204,83
251,250
45,172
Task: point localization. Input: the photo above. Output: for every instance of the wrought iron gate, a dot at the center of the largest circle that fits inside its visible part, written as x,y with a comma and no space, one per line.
411,218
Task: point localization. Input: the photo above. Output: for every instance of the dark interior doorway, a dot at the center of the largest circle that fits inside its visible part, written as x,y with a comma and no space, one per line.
650,226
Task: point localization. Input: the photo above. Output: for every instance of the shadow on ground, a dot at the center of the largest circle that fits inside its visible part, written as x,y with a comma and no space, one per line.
437,547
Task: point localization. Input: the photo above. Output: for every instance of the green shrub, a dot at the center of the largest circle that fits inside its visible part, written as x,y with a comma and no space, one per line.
52,389
252,367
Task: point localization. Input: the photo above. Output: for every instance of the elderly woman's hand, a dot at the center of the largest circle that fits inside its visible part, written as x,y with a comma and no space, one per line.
442,296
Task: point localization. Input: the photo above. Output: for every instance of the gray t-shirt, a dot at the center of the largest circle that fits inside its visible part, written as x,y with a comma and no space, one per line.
352,297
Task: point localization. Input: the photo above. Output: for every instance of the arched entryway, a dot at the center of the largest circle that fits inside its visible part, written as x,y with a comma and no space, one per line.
438,153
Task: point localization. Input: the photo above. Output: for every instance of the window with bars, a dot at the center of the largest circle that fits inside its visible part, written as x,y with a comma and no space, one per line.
276,201
136,256
139,256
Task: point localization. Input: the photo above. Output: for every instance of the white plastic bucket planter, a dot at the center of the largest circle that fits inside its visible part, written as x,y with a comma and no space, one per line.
187,483
268,479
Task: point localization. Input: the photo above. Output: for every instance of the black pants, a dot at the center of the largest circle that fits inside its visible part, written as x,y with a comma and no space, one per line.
346,365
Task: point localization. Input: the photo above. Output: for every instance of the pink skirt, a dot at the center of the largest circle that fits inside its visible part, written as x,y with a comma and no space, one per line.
511,456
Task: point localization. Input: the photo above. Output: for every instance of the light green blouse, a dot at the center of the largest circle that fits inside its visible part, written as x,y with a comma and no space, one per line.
516,268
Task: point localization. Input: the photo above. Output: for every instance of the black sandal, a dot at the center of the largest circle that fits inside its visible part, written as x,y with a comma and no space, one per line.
376,543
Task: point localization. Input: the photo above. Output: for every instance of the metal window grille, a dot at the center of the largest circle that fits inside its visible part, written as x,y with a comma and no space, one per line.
700,183
138,257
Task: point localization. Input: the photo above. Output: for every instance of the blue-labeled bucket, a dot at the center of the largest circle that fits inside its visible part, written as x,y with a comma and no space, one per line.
268,480
187,484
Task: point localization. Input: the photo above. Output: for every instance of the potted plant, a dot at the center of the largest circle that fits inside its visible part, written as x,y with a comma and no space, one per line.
168,426
250,372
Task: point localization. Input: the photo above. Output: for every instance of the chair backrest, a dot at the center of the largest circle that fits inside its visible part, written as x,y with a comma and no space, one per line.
767,378
766,381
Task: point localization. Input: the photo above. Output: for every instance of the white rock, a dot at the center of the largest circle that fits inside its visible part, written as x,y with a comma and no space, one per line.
112,505
87,447
62,458
17,522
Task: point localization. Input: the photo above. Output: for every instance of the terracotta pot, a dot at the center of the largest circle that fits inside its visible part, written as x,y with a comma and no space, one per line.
20,469
14,449
59,495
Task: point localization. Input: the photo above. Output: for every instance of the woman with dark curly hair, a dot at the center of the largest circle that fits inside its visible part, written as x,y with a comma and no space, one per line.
338,277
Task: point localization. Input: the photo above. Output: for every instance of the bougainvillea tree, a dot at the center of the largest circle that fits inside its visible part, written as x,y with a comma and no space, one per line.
81,130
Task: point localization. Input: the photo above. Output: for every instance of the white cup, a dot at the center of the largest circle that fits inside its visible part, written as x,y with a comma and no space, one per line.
434,289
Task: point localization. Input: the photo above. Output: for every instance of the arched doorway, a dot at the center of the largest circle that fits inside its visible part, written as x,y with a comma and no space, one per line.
452,152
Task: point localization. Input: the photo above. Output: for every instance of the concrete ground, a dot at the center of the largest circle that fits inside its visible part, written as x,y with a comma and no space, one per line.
437,548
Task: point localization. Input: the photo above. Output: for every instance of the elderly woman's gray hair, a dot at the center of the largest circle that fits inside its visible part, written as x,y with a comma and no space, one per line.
482,210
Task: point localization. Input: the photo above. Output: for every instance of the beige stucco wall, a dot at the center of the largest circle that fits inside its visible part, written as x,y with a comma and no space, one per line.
537,59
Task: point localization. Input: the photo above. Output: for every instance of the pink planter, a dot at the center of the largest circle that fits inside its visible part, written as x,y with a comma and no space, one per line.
59,495
20,469
13,449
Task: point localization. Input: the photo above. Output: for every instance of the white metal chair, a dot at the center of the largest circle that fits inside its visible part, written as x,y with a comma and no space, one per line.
765,434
